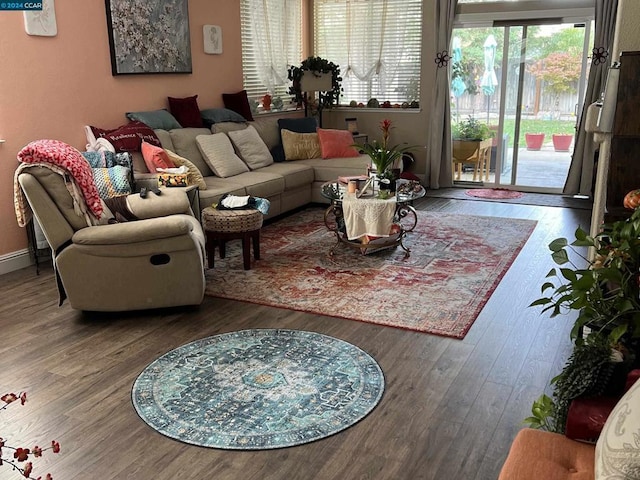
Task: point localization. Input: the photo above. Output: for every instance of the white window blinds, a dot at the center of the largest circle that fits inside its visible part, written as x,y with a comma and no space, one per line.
377,44
271,42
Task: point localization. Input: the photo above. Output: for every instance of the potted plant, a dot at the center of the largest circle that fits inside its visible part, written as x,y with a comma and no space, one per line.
562,141
534,141
386,159
605,294
470,136
317,66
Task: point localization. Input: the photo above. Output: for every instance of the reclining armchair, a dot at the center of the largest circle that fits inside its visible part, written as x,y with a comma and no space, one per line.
154,262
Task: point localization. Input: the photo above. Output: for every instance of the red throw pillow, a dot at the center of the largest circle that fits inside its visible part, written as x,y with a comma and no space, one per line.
336,143
239,103
186,111
129,137
155,157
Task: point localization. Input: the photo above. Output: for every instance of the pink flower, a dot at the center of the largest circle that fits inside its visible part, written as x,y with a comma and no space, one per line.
55,446
385,126
21,454
37,451
9,397
27,469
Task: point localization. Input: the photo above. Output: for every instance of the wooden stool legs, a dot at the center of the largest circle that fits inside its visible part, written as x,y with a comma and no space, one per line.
220,239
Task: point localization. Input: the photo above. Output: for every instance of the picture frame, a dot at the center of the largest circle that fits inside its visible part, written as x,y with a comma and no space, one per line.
352,125
164,32
41,23
212,37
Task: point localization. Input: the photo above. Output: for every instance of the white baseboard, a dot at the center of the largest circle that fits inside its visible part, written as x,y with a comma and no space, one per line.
15,261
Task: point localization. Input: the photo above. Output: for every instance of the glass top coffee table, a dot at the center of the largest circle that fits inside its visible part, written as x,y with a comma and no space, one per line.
404,216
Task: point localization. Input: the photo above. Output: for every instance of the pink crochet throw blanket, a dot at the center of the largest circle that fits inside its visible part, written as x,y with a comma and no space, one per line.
60,154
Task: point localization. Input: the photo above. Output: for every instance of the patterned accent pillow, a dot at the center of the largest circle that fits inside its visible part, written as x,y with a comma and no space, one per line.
336,143
106,159
63,155
195,175
618,447
300,146
112,181
217,151
129,137
109,180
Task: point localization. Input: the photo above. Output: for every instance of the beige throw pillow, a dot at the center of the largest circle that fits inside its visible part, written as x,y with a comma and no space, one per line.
300,146
195,176
618,447
217,151
251,148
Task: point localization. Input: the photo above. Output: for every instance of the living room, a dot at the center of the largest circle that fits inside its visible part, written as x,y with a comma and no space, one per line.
451,408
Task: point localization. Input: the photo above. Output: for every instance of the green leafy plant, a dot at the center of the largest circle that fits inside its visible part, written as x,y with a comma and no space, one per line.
605,292
316,65
471,129
383,156
587,373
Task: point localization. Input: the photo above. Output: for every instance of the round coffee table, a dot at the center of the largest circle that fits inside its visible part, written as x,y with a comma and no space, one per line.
405,217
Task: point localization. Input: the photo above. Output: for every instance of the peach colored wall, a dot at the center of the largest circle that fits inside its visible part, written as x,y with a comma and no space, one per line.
50,87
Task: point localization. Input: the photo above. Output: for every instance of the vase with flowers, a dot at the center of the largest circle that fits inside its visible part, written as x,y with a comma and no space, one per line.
385,159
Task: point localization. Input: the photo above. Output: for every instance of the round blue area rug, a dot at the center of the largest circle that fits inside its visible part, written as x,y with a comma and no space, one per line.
258,389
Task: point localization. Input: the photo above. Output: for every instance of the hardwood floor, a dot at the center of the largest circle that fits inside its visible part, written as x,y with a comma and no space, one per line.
450,410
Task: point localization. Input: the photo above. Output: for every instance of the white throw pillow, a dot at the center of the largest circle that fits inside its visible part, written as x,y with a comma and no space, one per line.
251,147
618,447
217,151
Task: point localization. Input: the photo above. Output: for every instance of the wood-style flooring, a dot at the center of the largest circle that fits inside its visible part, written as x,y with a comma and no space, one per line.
449,412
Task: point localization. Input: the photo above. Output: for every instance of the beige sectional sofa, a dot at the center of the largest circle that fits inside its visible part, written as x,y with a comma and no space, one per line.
287,185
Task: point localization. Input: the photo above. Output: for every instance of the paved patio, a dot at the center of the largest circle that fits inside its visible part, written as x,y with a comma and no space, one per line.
545,168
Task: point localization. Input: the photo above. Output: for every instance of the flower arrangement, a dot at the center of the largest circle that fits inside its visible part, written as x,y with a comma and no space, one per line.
21,454
383,157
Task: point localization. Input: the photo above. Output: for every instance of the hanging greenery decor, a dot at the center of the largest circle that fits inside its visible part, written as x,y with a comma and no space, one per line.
317,66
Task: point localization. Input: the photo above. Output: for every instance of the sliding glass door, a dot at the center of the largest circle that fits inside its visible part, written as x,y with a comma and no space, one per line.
526,82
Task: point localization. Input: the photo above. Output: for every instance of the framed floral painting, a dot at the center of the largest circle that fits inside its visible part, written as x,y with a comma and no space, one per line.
149,36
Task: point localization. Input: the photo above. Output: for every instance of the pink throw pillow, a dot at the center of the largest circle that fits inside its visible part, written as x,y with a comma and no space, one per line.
186,111
58,153
155,157
336,143
129,137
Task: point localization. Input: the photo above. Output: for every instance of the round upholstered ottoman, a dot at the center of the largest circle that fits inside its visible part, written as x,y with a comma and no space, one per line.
223,225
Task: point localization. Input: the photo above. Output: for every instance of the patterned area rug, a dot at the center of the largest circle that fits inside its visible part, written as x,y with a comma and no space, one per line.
258,389
493,193
455,265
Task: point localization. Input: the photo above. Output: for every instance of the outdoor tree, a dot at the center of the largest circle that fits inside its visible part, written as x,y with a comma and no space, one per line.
560,72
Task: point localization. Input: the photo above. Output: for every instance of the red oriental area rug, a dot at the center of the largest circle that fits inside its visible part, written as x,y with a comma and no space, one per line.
493,193
455,265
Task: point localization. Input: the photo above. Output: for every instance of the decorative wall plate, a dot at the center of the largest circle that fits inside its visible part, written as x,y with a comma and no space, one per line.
41,23
212,39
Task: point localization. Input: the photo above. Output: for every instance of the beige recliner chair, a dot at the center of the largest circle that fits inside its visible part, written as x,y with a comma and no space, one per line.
154,262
